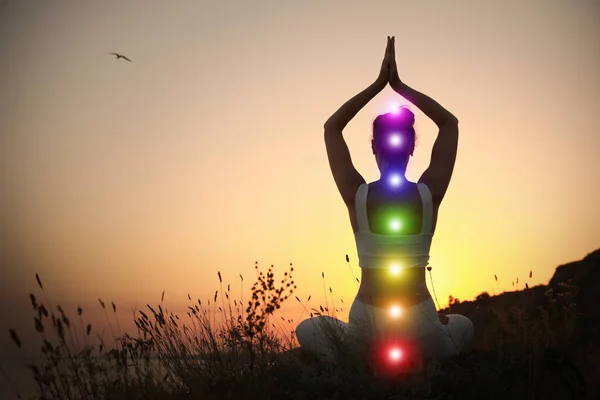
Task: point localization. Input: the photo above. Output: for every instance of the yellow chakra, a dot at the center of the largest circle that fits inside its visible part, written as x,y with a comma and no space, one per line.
395,311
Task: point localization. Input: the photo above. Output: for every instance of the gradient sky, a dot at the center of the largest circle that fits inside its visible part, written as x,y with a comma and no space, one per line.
206,153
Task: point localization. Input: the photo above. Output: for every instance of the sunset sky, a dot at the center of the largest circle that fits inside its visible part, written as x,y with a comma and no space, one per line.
206,153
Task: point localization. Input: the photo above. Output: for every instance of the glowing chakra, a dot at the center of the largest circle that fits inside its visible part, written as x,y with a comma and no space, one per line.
395,311
395,225
395,180
395,140
394,109
395,354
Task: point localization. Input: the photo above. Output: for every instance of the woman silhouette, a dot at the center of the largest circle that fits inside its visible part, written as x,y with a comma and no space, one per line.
393,221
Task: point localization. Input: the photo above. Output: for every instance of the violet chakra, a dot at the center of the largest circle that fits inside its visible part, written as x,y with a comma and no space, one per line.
395,140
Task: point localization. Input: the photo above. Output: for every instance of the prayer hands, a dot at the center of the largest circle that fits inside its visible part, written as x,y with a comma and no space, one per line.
384,73
393,77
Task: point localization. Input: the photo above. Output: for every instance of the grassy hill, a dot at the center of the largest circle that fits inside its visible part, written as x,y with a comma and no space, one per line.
537,343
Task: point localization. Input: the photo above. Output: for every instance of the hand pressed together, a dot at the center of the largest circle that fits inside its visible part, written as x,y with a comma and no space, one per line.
384,73
393,78
389,71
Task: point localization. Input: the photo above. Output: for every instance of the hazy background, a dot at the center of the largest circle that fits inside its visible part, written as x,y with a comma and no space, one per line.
206,153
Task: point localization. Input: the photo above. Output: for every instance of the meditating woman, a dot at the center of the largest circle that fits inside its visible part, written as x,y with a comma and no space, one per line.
393,221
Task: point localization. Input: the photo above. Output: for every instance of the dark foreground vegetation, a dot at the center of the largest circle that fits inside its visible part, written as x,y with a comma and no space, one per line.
538,343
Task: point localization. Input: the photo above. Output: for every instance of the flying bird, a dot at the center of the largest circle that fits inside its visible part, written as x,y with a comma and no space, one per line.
120,56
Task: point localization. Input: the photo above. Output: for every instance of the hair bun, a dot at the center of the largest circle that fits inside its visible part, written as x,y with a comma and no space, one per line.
405,116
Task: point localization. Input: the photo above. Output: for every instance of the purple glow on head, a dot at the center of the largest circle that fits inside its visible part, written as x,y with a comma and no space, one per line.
395,110
395,140
393,133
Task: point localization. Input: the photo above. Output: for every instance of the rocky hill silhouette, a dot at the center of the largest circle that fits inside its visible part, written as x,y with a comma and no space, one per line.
562,318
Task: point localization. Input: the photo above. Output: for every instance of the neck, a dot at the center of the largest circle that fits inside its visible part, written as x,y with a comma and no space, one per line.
387,169
393,178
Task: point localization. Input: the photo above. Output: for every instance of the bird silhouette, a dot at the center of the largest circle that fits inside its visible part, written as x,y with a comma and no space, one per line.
120,56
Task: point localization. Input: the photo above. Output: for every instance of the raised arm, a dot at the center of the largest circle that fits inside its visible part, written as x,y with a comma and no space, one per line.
443,156
345,175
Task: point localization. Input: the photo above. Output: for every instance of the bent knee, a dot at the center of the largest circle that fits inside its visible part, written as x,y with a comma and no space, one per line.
462,328
304,330
319,326
308,328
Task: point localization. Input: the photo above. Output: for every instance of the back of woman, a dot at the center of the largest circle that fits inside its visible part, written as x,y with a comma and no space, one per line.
393,219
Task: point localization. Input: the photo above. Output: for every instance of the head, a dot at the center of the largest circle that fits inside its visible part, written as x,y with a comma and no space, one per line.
394,139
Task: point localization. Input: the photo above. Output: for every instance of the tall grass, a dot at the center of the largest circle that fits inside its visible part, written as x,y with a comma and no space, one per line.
230,349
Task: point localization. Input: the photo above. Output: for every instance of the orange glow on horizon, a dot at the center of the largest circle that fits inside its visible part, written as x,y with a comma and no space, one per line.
122,180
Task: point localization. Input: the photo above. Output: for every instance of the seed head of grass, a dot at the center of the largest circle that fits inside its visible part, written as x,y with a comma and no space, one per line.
33,301
42,311
60,330
15,337
266,298
39,327
37,278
